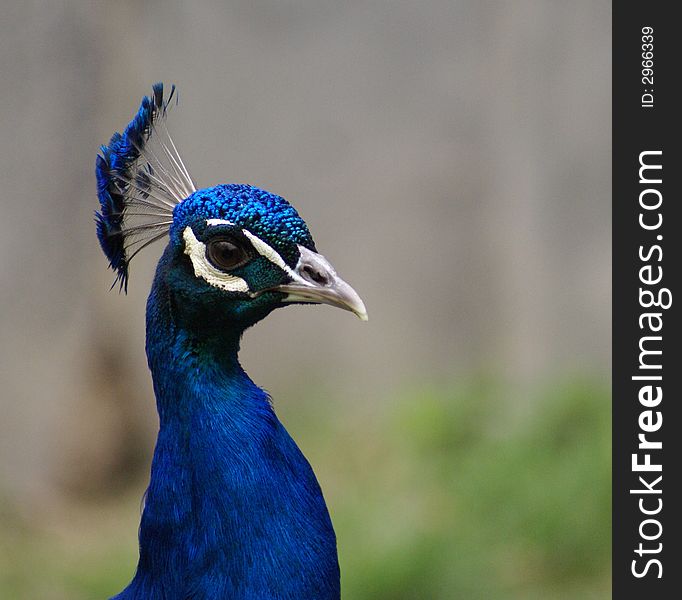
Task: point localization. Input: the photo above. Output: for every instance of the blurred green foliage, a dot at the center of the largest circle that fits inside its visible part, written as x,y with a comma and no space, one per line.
459,492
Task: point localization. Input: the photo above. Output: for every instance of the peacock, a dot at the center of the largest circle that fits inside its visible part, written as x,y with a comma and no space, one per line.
233,509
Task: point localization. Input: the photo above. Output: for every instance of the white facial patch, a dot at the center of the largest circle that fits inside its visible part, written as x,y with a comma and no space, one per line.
196,251
264,250
269,252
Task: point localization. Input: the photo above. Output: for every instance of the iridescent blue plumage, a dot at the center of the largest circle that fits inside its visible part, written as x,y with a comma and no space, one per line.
118,180
233,509
265,214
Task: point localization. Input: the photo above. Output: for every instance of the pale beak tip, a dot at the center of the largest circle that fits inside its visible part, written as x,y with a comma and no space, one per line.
357,306
326,288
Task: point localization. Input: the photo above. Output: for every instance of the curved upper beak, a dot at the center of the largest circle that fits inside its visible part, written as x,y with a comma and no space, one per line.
315,280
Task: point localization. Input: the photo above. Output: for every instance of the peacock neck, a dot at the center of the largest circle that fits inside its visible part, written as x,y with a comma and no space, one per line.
232,503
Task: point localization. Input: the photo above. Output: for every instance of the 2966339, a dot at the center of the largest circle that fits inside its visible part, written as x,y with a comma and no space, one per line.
648,67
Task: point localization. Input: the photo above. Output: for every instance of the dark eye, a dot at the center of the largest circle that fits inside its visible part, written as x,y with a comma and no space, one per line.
225,255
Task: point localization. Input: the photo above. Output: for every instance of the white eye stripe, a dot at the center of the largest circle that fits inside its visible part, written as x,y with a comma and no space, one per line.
214,222
268,252
196,250
264,250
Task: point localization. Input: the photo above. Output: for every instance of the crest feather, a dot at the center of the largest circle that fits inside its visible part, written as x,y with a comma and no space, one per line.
140,180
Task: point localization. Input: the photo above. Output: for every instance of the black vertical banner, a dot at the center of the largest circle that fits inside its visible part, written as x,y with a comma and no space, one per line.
647,300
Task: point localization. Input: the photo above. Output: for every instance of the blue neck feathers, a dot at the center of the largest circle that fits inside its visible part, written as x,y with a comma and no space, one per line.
233,509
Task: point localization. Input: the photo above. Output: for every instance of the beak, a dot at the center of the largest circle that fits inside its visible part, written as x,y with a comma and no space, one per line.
315,280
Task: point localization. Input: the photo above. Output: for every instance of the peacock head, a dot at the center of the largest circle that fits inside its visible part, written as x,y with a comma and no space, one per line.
235,252
243,251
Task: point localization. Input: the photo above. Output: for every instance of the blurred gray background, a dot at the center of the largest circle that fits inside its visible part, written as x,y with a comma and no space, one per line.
452,159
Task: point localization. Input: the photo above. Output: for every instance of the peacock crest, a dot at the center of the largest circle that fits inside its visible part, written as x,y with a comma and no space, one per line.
140,179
